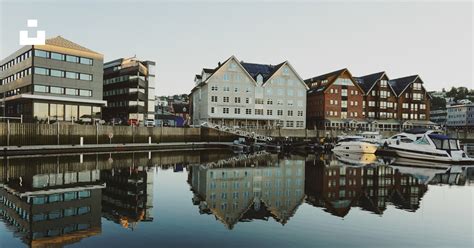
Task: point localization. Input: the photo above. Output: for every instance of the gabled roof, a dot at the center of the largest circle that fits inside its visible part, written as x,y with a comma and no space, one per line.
61,42
335,75
399,85
325,76
207,70
265,70
367,82
198,76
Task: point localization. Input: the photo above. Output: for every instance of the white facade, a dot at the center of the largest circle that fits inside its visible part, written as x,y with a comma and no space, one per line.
461,115
230,96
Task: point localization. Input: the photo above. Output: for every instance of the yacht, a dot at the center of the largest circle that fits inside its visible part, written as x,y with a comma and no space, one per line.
432,147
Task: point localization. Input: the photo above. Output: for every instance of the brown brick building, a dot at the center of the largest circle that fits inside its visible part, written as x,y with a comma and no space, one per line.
334,100
337,100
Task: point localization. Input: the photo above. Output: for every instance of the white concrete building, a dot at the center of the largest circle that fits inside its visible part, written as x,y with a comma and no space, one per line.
249,95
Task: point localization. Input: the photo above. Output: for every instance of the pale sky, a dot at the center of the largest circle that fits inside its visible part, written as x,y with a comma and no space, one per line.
432,39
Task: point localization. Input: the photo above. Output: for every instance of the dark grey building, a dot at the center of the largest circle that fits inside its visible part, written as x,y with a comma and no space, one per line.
129,89
60,80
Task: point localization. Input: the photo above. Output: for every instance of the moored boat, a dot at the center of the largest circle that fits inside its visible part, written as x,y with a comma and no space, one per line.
432,147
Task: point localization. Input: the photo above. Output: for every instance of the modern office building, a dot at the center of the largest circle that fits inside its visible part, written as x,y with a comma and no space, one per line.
439,116
249,95
460,115
129,89
60,80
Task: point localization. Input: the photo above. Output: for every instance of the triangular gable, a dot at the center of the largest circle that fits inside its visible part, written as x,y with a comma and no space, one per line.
338,75
227,61
292,69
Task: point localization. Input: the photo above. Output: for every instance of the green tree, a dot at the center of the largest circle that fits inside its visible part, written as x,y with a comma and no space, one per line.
438,103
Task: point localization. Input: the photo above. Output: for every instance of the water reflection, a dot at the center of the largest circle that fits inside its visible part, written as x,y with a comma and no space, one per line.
247,188
60,200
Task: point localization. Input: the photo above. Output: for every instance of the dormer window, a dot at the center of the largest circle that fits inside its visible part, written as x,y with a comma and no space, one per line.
259,79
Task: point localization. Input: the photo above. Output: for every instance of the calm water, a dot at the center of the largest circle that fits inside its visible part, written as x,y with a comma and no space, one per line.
215,198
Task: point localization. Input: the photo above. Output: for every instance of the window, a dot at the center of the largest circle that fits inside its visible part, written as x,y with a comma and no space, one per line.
71,92
226,99
405,105
83,210
258,101
269,112
290,112
212,110
56,73
57,56
237,111
226,77
343,92
41,71
73,59
72,75
289,123
41,88
86,77
237,99
84,194
300,113
86,61
343,104
41,53
56,90
280,112
269,101
259,111
214,88
85,92
300,124
248,111
383,83
247,100
226,88
213,98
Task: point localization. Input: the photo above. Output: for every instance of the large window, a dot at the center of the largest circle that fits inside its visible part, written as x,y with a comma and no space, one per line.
73,59
57,73
87,77
41,88
41,71
41,53
72,75
40,110
84,110
70,112
56,90
86,61
57,56
85,92
71,92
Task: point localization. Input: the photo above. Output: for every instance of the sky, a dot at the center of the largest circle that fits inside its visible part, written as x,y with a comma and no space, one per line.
428,38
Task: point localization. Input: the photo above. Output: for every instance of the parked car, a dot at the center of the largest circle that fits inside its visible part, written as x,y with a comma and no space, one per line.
89,119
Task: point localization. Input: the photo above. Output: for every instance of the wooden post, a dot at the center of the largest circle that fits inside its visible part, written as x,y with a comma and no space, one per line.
8,132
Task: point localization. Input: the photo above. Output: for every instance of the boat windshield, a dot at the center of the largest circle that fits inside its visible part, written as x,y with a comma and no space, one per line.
423,141
443,143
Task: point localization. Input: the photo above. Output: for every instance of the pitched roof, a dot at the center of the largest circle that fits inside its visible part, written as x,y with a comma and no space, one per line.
198,76
265,70
61,42
325,76
368,81
207,70
400,84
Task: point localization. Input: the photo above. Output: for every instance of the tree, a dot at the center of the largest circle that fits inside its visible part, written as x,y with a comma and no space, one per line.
438,103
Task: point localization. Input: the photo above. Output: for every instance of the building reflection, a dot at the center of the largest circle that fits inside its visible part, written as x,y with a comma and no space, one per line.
51,206
246,188
59,200
338,187
128,198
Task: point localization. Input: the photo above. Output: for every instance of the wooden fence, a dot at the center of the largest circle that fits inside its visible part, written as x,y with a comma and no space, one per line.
22,134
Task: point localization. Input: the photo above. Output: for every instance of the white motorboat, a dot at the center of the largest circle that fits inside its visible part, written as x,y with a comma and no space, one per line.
432,147
356,144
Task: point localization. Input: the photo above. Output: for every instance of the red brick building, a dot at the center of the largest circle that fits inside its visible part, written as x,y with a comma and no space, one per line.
337,100
334,100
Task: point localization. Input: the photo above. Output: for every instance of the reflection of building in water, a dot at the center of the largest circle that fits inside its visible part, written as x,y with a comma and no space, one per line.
51,208
128,198
257,188
338,187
